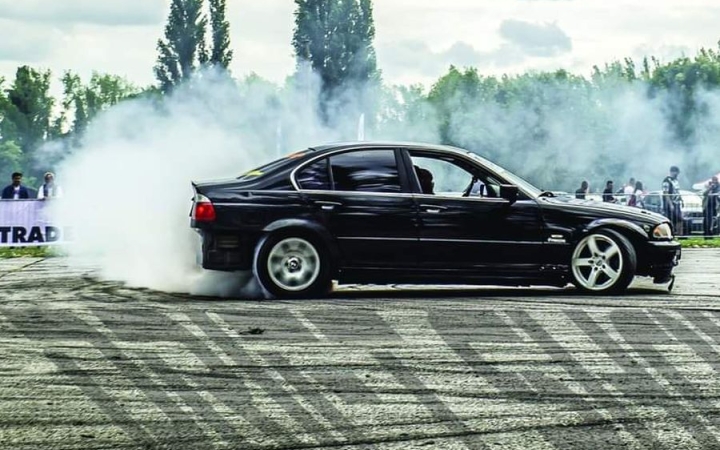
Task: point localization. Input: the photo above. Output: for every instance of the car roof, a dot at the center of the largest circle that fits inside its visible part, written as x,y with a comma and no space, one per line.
397,144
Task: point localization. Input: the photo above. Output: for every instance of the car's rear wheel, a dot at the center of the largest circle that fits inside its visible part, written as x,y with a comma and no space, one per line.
290,265
603,262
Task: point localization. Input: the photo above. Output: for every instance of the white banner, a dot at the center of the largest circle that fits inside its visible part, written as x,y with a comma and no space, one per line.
25,223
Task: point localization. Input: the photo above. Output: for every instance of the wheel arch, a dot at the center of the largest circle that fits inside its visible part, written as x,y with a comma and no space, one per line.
629,230
288,226
633,232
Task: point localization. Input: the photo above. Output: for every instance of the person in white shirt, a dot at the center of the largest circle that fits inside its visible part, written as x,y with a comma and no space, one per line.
49,189
638,196
628,190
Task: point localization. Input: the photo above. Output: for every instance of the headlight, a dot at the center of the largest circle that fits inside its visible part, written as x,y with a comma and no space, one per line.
662,231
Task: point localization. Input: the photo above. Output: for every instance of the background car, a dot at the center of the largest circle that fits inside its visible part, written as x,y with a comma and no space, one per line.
374,212
702,185
692,209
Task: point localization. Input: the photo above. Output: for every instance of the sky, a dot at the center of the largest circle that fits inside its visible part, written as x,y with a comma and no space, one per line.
416,40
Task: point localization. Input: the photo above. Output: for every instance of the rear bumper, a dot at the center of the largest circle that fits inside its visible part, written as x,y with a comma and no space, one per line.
225,251
662,257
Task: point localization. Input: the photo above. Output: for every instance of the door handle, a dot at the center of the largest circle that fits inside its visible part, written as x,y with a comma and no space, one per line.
327,206
433,209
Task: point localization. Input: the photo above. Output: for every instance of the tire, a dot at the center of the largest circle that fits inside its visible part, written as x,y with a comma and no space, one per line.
603,262
293,265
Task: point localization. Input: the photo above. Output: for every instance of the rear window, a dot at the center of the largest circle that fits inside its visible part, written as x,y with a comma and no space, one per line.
271,167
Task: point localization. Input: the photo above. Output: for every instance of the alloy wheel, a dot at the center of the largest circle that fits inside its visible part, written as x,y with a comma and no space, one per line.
597,262
293,264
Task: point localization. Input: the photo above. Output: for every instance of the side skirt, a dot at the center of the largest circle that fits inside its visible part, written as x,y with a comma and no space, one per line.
414,276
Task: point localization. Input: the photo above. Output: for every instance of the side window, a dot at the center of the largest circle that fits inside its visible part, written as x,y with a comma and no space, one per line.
315,176
448,177
365,171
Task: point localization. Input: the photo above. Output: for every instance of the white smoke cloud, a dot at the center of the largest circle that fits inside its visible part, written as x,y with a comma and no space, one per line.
561,134
127,187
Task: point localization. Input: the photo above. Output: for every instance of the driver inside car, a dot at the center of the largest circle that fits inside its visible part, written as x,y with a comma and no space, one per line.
427,185
477,188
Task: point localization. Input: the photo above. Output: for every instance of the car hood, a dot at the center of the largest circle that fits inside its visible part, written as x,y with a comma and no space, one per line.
602,210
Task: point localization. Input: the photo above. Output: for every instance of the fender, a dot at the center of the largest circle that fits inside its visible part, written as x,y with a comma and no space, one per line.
307,225
634,231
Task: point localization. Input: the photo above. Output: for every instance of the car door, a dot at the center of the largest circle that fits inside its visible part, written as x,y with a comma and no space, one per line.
363,199
466,225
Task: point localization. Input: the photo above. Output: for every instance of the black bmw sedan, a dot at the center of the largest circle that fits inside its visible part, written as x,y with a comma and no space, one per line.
377,212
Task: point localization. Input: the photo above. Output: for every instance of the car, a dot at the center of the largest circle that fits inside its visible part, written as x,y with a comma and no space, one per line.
386,213
692,209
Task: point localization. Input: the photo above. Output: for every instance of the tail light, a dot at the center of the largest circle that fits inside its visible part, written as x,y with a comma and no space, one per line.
203,209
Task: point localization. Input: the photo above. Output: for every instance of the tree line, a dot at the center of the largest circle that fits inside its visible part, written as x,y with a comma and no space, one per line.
334,40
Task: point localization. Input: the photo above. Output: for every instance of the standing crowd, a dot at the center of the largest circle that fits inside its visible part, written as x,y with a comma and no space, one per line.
634,194
16,190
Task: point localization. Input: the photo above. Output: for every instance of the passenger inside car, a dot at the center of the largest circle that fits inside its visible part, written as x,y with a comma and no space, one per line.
427,185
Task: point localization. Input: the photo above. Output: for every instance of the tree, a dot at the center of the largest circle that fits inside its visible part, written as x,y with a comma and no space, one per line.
335,39
220,54
26,110
11,159
85,101
183,48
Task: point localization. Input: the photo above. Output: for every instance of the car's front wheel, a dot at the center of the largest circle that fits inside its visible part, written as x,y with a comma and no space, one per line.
603,262
290,265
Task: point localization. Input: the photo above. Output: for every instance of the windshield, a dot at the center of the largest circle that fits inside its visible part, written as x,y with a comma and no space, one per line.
524,185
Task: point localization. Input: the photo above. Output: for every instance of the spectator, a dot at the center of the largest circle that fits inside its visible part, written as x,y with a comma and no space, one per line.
629,189
582,192
637,196
608,193
711,199
672,201
49,189
16,190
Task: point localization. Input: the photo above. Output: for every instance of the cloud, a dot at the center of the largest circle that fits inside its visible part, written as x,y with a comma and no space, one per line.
26,44
534,39
417,57
99,12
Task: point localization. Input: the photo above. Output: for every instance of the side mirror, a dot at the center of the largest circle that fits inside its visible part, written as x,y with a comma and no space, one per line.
509,192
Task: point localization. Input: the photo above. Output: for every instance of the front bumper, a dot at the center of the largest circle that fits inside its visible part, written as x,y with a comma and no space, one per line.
662,257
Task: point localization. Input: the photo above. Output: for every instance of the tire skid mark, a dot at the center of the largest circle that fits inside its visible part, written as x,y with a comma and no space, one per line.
555,325
671,432
388,380
685,368
91,389
285,424
20,268
114,392
414,328
324,408
143,369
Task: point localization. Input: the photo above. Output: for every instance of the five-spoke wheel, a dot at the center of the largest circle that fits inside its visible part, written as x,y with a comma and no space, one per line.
603,261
